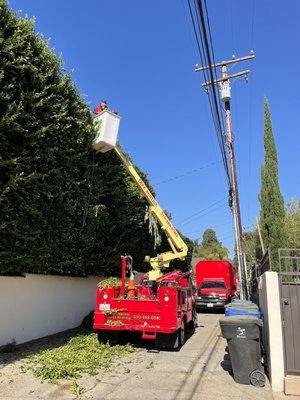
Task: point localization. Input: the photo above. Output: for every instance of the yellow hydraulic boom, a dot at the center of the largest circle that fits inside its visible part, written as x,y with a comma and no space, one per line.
178,247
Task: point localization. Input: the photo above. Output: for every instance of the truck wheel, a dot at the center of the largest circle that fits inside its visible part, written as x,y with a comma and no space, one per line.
166,340
257,378
104,336
181,334
193,324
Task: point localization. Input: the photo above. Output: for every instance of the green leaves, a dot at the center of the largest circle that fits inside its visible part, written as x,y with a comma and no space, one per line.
211,248
80,354
293,223
272,213
63,209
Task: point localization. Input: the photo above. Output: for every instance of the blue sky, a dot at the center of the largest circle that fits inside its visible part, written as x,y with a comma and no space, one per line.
140,57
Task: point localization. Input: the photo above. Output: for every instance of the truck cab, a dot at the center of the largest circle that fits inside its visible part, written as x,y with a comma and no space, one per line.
215,283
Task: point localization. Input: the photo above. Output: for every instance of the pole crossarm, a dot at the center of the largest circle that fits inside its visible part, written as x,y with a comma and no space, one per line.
220,64
246,72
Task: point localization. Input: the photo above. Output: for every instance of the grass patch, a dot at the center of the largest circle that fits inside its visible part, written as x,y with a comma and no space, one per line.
80,354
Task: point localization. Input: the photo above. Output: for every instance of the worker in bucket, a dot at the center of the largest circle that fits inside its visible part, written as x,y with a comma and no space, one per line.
101,107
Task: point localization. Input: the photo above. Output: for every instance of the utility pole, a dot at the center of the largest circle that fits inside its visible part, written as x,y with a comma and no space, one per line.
225,96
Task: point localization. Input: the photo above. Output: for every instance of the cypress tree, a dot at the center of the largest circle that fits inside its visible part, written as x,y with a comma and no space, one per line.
272,213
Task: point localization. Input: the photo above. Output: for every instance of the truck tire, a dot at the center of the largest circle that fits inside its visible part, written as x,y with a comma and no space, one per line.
193,324
166,340
181,334
104,336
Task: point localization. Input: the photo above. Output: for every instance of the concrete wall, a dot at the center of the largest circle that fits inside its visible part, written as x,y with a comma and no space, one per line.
41,305
269,302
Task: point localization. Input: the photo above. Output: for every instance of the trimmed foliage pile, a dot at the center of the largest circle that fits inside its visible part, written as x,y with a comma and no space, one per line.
81,354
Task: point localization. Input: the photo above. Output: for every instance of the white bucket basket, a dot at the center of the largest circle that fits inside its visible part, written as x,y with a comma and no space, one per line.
106,129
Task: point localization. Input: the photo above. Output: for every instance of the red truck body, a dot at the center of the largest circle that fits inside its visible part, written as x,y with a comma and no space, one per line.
160,310
215,283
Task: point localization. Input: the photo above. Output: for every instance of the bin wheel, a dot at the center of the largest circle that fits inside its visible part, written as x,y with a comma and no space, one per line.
257,378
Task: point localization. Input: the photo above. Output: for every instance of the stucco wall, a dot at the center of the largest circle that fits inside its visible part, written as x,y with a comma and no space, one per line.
41,305
269,302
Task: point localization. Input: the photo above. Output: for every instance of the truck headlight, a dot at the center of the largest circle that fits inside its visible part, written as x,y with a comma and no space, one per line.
166,298
105,296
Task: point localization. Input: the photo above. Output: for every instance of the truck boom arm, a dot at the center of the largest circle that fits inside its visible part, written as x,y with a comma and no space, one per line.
179,248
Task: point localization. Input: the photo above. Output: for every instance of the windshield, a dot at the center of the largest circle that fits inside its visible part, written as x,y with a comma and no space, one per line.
212,285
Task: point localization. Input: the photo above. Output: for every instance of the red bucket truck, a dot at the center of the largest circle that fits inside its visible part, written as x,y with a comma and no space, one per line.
215,283
160,306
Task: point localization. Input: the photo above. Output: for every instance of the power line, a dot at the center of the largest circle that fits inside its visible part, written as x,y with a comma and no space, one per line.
213,90
211,227
206,59
213,57
190,219
188,173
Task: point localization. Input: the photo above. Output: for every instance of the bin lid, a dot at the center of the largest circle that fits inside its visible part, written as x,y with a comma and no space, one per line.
238,319
248,306
242,301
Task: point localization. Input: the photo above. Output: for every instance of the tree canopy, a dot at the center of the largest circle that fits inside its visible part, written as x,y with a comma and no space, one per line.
210,248
293,223
64,209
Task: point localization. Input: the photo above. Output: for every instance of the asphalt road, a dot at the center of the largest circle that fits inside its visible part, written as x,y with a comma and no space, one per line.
201,369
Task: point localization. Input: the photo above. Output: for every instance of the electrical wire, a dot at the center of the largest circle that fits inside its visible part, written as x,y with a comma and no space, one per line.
213,90
206,52
188,173
213,227
195,31
195,216
214,61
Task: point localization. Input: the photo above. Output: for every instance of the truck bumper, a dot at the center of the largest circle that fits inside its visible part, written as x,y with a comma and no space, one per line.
147,332
211,303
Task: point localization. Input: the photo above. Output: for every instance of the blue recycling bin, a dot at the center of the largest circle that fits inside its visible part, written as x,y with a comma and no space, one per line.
242,307
230,312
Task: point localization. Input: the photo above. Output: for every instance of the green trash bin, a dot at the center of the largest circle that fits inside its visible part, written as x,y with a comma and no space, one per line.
243,338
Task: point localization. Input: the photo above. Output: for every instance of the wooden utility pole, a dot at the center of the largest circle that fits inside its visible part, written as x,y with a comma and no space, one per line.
225,96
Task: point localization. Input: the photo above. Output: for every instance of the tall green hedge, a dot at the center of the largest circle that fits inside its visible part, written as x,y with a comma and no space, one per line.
63,208
45,131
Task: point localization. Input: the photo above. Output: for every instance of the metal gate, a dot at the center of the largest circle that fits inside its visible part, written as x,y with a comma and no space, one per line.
289,278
